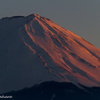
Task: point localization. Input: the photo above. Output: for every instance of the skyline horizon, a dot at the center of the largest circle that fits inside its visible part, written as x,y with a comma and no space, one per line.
80,17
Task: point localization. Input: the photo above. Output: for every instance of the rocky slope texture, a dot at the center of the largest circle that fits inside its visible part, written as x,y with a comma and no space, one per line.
34,49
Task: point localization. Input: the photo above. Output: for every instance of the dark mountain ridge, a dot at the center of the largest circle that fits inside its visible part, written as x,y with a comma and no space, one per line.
56,91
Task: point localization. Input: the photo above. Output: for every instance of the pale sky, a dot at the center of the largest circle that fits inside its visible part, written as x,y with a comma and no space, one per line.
82,17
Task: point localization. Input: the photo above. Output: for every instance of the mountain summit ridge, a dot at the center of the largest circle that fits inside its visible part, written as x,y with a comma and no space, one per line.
34,49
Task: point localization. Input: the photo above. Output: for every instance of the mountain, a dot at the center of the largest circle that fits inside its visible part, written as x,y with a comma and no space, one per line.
34,50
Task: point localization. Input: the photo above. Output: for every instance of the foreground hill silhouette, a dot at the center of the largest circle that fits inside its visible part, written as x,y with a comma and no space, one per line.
56,91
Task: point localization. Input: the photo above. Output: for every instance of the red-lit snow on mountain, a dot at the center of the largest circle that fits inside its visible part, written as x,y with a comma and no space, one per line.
34,49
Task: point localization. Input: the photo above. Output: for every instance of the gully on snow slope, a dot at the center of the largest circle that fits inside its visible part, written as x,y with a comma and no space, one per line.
34,49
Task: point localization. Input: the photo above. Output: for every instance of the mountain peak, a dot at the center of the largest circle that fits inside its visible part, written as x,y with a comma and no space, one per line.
40,17
34,15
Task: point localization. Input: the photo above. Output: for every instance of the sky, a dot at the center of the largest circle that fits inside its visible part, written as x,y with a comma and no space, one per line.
82,17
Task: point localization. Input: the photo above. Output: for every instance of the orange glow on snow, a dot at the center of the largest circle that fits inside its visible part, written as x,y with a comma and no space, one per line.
49,34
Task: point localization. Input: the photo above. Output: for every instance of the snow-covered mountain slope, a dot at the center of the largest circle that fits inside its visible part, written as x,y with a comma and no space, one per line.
33,49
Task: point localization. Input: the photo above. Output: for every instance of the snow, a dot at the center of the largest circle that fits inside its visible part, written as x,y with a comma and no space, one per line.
34,50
